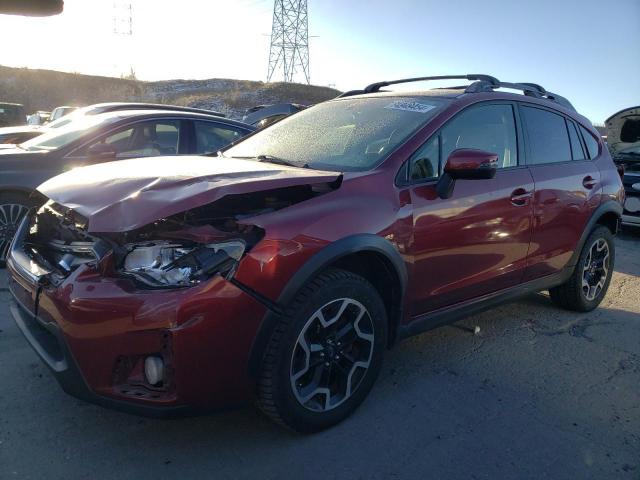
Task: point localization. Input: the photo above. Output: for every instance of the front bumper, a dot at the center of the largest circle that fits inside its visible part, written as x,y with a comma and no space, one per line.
48,342
93,333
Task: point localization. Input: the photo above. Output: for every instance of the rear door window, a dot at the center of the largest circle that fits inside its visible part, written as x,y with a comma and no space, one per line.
548,139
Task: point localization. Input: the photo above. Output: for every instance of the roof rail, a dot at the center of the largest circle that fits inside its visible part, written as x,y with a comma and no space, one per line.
481,83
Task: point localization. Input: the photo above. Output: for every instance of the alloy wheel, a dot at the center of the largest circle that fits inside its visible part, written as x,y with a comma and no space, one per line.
10,217
596,269
332,355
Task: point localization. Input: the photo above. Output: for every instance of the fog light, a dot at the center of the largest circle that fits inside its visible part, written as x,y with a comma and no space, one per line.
154,370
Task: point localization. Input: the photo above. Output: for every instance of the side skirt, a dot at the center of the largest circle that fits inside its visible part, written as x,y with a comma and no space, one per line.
447,315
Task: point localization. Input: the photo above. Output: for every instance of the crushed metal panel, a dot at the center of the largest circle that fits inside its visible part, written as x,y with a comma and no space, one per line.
128,194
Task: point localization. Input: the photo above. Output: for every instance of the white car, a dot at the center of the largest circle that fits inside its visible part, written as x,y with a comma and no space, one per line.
623,138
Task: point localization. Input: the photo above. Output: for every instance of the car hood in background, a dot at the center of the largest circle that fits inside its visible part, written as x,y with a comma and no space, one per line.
128,194
21,128
623,131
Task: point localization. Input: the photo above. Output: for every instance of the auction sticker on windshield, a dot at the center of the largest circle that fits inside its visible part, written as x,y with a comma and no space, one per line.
408,106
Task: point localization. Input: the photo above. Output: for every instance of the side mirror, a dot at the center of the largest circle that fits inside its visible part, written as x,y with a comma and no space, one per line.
466,164
469,164
102,151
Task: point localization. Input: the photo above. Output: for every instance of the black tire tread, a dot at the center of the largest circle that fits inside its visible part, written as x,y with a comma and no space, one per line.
569,294
266,381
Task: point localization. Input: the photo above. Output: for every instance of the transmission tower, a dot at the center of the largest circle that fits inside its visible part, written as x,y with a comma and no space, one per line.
289,50
123,38
122,18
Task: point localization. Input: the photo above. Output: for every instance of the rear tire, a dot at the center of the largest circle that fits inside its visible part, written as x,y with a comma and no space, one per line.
325,353
590,280
13,207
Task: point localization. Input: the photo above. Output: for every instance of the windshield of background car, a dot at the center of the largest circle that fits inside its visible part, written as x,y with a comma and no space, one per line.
353,134
59,137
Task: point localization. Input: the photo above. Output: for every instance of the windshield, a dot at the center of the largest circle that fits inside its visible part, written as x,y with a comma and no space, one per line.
354,134
64,135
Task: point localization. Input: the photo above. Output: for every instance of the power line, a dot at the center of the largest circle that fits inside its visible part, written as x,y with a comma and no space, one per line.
289,51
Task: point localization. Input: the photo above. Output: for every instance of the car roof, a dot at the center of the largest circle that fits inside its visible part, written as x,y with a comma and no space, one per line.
113,106
124,114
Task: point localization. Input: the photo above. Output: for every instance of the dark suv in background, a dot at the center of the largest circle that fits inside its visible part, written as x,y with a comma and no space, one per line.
92,137
12,114
282,270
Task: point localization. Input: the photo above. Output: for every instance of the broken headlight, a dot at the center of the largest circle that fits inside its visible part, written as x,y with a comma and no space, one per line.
167,264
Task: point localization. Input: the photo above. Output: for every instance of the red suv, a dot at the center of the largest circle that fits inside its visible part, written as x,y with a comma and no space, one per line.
282,269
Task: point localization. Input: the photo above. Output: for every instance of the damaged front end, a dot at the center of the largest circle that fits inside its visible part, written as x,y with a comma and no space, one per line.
179,251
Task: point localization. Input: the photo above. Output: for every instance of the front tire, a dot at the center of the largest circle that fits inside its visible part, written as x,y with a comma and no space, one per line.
589,282
325,353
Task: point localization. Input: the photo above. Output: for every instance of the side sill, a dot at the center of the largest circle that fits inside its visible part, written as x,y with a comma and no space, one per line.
447,315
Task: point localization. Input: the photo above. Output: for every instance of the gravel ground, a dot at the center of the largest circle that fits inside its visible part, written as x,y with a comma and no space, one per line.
538,393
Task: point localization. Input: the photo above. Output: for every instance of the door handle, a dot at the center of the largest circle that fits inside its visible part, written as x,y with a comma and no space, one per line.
520,197
589,182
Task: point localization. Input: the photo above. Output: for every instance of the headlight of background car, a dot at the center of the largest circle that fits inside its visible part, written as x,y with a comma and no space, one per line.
167,264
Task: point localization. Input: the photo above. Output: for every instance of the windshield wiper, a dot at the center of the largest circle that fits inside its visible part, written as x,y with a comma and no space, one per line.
272,159
279,161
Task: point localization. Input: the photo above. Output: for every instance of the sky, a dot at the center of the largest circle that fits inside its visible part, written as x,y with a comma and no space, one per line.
585,50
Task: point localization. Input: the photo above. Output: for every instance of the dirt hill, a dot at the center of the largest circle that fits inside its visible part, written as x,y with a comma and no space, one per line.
47,89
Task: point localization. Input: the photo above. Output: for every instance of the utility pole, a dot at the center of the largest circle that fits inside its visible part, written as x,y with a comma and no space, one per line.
289,52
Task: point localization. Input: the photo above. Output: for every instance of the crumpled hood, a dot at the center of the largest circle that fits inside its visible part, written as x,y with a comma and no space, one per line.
128,194
623,130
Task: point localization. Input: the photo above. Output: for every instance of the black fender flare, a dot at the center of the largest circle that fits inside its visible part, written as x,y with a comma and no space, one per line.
609,206
318,262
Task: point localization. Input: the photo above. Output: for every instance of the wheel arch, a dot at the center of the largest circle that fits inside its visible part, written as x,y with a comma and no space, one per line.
18,190
607,214
367,255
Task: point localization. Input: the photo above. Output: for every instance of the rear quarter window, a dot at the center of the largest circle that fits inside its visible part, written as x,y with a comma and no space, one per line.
590,142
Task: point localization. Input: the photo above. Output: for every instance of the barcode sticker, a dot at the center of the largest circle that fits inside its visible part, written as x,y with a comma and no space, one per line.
408,106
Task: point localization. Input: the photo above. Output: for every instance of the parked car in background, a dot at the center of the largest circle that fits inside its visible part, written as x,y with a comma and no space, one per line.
262,116
12,114
32,131
38,118
60,112
100,138
15,135
283,269
623,138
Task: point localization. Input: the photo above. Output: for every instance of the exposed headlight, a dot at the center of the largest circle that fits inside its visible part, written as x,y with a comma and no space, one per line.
167,264
636,186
